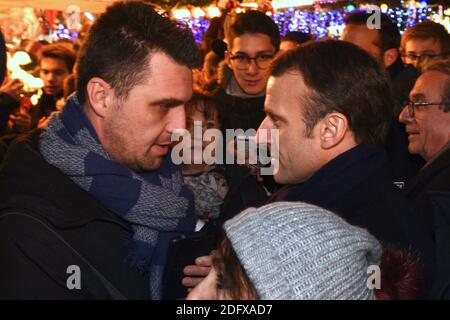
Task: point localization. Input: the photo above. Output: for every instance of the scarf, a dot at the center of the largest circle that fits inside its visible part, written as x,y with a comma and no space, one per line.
156,204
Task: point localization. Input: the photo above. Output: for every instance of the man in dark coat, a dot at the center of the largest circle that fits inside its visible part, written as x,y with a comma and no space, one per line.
383,43
427,120
90,202
331,126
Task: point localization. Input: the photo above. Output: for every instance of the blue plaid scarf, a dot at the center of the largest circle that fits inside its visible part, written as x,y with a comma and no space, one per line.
156,203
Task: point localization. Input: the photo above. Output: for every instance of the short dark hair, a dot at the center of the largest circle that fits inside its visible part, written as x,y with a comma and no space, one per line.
342,78
120,41
255,22
298,37
425,30
60,52
389,34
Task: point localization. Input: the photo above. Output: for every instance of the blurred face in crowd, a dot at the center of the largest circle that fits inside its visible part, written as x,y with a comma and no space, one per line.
197,143
299,153
136,131
53,72
428,127
365,38
251,75
419,51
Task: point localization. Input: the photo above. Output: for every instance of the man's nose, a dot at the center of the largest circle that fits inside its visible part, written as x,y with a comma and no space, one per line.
252,67
177,119
405,116
263,135
417,63
49,77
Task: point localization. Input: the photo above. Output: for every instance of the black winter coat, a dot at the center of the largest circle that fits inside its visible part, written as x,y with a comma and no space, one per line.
36,197
429,192
357,185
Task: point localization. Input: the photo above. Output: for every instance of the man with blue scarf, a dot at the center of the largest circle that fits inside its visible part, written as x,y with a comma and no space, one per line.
90,202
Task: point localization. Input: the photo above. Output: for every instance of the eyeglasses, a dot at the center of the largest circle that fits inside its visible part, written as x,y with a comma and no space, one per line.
242,61
413,105
422,57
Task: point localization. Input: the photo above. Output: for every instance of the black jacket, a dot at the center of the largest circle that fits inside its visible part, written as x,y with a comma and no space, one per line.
36,197
357,185
429,192
244,192
433,177
239,112
7,105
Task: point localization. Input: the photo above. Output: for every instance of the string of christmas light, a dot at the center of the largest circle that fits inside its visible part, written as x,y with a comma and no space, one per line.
323,20
61,32
198,27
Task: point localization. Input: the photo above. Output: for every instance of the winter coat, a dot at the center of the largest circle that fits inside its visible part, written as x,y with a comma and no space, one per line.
235,112
429,192
357,185
56,240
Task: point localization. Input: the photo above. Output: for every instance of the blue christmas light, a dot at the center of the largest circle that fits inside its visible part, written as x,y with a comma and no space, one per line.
323,21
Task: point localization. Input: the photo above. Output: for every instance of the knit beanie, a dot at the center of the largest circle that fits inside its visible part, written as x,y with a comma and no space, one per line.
301,251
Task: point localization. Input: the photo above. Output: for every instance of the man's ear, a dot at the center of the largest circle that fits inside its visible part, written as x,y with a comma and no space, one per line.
389,57
228,60
333,129
99,93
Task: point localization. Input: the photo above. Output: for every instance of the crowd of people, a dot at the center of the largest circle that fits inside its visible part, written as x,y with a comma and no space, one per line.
361,189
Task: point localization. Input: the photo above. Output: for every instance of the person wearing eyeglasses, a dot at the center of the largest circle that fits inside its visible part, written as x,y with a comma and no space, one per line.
427,113
253,39
427,119
423,42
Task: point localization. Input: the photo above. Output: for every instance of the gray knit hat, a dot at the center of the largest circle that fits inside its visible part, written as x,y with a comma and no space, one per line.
300,251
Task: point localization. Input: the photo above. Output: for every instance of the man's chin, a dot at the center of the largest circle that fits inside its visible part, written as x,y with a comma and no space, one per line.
154,164
253,91
51,92
412,149
279,178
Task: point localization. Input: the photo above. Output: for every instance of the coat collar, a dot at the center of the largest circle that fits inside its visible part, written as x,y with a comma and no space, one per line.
430,171
337,177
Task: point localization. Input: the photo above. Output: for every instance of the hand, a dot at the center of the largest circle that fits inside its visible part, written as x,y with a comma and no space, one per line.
196,273
13,87
42,122
20,122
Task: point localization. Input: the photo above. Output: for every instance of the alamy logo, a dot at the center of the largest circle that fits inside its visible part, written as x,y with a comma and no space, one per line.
74,280
374,279
374,21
